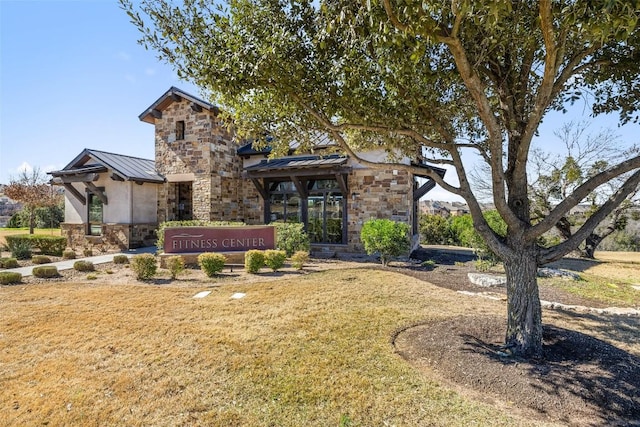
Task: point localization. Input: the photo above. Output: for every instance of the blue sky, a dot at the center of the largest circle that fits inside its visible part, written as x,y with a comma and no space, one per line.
72,76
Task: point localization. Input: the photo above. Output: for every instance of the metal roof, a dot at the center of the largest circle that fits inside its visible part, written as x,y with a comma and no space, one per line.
298,162
126,167
319,140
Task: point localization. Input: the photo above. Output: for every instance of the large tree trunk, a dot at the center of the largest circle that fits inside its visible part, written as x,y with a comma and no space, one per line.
524,315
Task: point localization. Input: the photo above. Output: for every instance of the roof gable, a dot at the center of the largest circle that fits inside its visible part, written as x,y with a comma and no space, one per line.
126,168
169,97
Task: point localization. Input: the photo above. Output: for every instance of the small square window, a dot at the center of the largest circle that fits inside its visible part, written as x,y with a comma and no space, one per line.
180,129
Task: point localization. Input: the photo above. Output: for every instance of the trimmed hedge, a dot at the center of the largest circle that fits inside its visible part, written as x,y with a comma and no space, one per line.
253,261
175,265
40,259
145,266
211,263
48,245
45,271
274,259
299,258
69,254
9,263
10,277
120,259
83,265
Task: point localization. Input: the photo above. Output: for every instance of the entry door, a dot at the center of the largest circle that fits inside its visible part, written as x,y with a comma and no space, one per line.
184,209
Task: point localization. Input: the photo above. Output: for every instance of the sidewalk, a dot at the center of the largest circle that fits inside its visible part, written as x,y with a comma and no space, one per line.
98,259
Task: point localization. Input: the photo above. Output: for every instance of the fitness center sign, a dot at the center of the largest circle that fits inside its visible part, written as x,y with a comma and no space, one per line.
179,240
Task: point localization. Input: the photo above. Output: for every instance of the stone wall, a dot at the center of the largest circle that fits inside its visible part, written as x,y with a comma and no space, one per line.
374,194
114,236
207,151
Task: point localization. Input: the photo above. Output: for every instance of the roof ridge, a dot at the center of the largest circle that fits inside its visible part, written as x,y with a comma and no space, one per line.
117,154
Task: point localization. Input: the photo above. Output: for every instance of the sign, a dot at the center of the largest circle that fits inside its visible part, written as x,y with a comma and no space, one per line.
178,240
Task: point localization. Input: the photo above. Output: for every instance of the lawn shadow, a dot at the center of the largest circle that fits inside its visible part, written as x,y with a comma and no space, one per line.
574,264
443,255
596,373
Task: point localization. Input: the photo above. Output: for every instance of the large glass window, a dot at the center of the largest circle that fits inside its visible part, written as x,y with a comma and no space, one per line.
323,211
95,215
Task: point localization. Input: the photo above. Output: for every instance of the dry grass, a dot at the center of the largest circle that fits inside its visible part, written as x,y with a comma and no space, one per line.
312,350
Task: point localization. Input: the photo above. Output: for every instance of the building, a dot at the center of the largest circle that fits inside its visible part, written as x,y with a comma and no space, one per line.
202,172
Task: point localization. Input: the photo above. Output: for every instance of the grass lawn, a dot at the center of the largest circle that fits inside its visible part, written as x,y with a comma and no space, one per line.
310,350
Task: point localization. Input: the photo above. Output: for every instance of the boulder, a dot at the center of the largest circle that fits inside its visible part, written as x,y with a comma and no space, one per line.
487,280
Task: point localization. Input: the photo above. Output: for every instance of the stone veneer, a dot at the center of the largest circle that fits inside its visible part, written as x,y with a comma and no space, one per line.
209,153
114,236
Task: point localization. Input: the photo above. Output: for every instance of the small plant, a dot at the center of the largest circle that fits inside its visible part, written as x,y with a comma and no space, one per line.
299,259
211,263
459,264
69,254
274,259
9,263
253,261
109,271
87,252
483,265
385,237
291,237
144,266
20,249
429,264
45,271
120,259
10,277
40,259
91,277
82,265
175,264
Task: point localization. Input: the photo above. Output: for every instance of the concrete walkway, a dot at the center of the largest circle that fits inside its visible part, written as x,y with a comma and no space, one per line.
98,259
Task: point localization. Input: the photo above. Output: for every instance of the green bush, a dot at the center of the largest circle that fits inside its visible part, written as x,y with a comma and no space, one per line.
274,259
82,265
9,277
299,259
434,230
175,265
45,271
48,245
20,248
40,259
69,254
385,237
9,263
211,263
144,266
87,252
290,237
253,261
120,259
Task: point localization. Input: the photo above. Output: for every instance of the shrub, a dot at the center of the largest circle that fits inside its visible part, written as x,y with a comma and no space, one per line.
211,263
20,248
290,237
87,252
385,237
9,277
299,258
175,264
9,263
40,259
434,229
120,259
69,254
91,277
48,245
253,261
429,264
144,266
45,271
274,259
83,266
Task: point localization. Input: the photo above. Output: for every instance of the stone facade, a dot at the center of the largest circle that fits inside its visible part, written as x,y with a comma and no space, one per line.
114,236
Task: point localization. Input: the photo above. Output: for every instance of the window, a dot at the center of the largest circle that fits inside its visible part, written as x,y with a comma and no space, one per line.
322,212
94,215
179,130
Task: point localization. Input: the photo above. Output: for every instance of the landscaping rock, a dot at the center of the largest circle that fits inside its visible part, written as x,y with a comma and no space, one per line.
554,272
487,280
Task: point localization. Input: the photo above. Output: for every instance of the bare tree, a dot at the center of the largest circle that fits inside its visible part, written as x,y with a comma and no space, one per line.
32,190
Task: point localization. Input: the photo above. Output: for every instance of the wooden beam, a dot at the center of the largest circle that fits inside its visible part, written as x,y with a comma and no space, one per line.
195,107
85,177
423,189
317,173
176,97
116,177
78,195
260,187
156,114
302,189
98,192
343,184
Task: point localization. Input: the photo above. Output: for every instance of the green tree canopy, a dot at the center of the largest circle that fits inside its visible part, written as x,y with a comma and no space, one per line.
425,79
